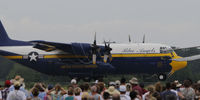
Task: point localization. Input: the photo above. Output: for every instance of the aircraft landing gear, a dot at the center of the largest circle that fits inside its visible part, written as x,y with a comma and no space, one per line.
162,77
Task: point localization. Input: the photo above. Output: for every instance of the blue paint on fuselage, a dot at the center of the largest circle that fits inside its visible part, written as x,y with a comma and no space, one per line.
119,65
123,65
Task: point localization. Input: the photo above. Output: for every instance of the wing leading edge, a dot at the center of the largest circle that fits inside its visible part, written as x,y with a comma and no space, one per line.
51,46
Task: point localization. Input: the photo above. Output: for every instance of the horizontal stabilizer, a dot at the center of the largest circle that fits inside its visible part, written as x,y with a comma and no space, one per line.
191,58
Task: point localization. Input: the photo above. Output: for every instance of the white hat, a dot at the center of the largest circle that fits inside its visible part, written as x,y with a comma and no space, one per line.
111,90
96,81
122,88
17,83
198,82
117,82
112,83
177,83
134,80
73,81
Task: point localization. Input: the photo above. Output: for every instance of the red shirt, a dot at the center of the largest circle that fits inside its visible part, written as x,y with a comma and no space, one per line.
139,89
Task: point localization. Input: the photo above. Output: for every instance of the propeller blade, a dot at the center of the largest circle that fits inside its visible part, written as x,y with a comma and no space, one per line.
110,57
107,52
143,39
105,58
129,38
95,39
94,57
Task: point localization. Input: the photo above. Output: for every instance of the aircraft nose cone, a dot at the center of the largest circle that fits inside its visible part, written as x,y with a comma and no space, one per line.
177,65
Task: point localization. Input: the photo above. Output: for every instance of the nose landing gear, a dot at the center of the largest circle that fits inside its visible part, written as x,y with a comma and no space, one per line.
162,77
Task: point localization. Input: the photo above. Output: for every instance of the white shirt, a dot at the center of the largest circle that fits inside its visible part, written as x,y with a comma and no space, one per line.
0,95
78,97
144,96
16,95
125,97
175,92
64,96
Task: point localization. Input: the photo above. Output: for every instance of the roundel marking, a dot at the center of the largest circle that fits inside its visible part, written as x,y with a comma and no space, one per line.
33,56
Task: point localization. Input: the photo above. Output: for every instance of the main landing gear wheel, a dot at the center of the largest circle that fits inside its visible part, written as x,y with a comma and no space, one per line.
162,77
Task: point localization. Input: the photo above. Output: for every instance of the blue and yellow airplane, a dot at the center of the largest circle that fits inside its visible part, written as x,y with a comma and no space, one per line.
92,60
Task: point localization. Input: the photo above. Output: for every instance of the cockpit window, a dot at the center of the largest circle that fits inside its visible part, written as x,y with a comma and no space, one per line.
166,50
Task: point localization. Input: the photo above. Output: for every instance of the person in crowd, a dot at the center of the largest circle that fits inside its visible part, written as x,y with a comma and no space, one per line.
158,89
77,92
149,95
102,88
0,96
41,88
135,86
94,93
134,96
197,93
123,81
57,92
178,85
70,94
106,96
143,89
1,88
85,87
5,91
117,84
123,95
118,90
128,88
173,89
85,96
178,93
16,94
111,90
112,84
187,91
116,96
168,94
91,98
74,83
35,93
42,91
19,79
48,96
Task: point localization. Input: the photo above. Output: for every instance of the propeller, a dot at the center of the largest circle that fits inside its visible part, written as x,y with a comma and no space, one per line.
143,39
107,52
129,38
95,49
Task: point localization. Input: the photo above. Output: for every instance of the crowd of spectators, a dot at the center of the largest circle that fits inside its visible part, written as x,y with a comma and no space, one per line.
15,89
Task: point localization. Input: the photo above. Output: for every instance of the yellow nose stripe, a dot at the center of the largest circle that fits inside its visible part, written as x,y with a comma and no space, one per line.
177,65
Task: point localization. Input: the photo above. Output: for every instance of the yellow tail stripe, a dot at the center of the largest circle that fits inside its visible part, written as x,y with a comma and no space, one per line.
63,56
14,57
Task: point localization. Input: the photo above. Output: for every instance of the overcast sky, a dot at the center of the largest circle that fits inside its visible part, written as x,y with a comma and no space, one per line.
172,22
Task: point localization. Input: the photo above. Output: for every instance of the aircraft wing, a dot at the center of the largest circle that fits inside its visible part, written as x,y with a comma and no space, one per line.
185,52
188,54
195,47
51,46
191,58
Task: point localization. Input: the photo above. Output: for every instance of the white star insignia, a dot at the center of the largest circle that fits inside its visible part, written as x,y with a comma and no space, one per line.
33,57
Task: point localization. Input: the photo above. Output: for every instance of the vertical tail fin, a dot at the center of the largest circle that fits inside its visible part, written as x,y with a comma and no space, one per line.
3,35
